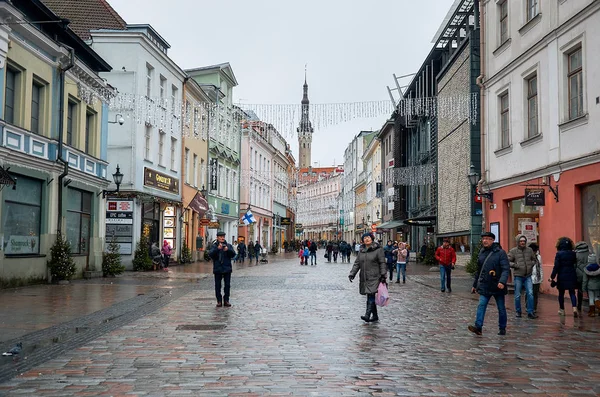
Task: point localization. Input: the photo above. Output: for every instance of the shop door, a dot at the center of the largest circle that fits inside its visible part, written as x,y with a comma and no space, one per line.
523,220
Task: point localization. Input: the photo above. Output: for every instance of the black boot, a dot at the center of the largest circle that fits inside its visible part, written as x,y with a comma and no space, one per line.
367,315
374,311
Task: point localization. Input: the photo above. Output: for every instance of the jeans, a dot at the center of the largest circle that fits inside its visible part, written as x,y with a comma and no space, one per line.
446,274
481,308
561,298
227,278
313,258
401,268
593,295
521,282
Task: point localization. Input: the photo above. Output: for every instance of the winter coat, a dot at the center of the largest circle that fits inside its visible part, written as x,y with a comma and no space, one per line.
388,250
313,247
371,263
401,253
221,258
251,248
591,277
522,260
537,274
581,251
445,256
496,271
564,269
154,251
241,249
166,249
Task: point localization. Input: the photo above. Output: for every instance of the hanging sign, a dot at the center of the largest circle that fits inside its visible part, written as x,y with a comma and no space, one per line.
160,181
214,175
535,197
286,221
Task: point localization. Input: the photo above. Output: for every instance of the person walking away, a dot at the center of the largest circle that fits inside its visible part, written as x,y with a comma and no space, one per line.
401,259
313,253
565,274
446,258
306,255
581,251
257,250
522,259
356,248
388,251
343,250
537,276
591,284
221,253
166,251
423,251
336,251
373,270
329,249
490,280
241,251
250,251
157,258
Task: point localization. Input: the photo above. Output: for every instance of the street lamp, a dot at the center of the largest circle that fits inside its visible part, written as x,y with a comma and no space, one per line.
118,178
377,214
203,191
474,180
368,218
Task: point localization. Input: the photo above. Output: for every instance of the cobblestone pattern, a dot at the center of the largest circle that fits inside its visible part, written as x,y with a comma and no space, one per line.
41,346
298,342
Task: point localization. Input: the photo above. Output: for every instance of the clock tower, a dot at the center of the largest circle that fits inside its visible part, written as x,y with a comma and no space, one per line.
305,131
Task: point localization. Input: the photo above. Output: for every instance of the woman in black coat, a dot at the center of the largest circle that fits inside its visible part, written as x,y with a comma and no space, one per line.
565,273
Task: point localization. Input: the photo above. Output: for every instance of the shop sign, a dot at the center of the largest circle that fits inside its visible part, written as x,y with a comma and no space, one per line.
119,224
124,218
286,221
119,205
199,204
21,245
213,225
299,226
535,197
160,181
214,173
224,208
204,221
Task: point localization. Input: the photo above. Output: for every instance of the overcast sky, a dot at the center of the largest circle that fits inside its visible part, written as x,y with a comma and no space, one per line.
351,47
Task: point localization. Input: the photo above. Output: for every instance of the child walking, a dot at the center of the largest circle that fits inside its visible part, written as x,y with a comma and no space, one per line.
591,284
301,256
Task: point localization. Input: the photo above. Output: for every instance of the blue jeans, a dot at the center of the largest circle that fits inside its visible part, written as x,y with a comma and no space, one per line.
519,283
401,268
483,302
445,277
313,258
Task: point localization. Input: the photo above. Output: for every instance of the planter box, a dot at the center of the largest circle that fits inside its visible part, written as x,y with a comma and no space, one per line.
87,274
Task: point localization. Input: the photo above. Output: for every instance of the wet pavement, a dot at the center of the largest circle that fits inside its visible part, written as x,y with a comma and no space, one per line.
295,330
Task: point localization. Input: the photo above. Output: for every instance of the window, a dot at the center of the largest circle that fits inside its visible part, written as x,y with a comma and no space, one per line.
10,95
161,148
71,121
504,22
79,209
174,96
532,9
36,106
163,83
575,81
149,70
187,165
22,214
504,121
90,124
148,143
195,172
202,173
173,145
532,107
590,213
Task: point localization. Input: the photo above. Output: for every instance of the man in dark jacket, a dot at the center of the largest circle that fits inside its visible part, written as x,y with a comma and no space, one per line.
389,257
491,276
221,253
313,253
522,259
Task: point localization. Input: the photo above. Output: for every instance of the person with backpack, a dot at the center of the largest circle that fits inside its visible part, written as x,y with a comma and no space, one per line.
591,284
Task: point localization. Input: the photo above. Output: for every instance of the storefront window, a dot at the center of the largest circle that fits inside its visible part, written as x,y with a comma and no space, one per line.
523,219
22,217
79,210
591,216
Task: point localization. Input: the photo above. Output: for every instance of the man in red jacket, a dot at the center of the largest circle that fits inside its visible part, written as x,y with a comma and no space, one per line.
446,257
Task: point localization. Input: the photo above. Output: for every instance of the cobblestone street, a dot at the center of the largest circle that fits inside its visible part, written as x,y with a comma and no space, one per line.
296,330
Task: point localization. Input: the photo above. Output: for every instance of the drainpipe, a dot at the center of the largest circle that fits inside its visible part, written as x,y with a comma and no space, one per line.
482,107
61,123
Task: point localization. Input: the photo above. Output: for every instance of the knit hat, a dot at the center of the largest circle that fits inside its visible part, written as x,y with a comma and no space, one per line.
592,259
366,235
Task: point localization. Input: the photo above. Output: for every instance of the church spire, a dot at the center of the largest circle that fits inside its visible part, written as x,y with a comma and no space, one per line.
305,129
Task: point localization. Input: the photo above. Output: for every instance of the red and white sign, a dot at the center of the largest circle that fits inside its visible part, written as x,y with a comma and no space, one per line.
119,205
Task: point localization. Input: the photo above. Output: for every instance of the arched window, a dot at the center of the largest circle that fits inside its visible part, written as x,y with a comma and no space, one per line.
304,145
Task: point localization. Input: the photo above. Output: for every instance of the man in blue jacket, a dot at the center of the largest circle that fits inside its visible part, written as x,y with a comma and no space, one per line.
221,253
491,277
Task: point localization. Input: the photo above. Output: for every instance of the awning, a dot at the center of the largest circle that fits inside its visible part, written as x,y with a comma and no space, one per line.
421,221
390,225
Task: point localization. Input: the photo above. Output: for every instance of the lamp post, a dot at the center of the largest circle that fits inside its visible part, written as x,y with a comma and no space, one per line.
117,178
476,221
203,191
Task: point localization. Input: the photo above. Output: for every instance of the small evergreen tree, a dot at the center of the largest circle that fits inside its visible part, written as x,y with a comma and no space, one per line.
186,254
61,263
430,254
141,257
471,267
111,259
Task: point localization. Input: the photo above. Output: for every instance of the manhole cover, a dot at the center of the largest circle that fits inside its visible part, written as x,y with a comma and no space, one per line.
199,327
